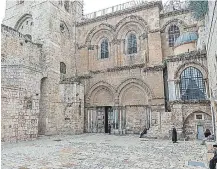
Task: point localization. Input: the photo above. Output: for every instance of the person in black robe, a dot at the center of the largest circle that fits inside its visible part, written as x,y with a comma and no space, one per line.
174,135
207,133
109,128
213,161
143,132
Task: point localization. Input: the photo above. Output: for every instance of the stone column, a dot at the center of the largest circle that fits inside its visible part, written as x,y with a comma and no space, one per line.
177,89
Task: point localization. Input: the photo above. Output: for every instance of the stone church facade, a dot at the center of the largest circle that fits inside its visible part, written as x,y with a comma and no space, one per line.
134,65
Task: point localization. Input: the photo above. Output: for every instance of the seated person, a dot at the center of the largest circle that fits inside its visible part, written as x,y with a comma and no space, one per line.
143,132
207,133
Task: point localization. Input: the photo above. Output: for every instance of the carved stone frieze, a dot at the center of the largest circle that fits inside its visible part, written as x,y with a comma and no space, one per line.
187,56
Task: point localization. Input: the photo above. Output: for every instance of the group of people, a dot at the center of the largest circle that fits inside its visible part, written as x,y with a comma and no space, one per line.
174,134
207,134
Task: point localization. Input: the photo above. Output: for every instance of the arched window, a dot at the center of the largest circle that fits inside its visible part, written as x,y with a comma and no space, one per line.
62,68
192,85
104,49
173,34
131,44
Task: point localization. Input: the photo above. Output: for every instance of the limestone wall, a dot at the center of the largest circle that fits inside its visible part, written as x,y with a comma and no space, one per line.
21,73
211,32
72,107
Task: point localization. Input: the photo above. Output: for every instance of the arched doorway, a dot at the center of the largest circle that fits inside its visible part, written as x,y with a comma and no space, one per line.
100,110
134,97
196,124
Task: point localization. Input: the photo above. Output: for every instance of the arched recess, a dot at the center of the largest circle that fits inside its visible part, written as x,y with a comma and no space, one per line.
195,119
43,106
100,31
181,24
197,65
101,94
101,34
131,23
134,92
24,24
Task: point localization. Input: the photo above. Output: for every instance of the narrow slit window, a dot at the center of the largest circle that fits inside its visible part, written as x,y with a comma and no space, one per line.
104,49
132,44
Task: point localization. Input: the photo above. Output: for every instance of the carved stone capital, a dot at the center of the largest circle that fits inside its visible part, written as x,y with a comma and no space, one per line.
116,41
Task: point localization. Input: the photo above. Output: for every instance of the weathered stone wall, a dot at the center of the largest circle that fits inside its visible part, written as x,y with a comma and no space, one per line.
183,117
211,32
72,106
51,26
21,73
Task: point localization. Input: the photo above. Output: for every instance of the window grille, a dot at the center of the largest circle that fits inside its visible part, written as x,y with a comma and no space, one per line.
199,116
174,33
192,86
104,49
132,44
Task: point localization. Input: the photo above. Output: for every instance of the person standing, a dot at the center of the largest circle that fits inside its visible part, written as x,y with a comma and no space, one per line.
109,128
213,161
174,135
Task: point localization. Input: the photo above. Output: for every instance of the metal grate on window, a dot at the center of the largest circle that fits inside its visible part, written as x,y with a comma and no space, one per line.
192,86
132,44
174,33
104,49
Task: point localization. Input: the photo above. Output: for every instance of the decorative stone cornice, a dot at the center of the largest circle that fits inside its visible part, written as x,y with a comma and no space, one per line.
117,41
207,102
155,68
174,13
121,68
125,67
186,56
73,80
81,46
123,12
154,30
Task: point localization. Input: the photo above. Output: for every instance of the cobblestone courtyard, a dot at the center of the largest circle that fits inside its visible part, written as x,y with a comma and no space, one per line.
99,151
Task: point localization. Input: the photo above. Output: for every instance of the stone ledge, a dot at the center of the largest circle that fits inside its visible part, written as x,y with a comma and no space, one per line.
189,102
186,56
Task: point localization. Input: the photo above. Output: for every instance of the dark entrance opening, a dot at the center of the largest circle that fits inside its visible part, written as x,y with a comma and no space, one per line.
106,118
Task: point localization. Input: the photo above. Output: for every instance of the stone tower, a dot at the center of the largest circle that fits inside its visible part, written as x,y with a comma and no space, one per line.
52,24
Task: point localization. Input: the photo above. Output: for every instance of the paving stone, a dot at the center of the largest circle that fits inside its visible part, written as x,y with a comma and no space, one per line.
88,151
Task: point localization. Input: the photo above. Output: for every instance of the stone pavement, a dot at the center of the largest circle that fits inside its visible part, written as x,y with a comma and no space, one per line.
101,151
